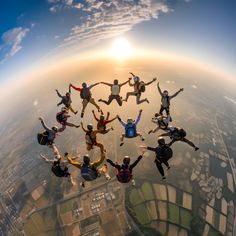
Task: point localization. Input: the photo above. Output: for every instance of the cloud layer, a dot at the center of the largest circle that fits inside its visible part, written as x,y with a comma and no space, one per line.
12,40
103,19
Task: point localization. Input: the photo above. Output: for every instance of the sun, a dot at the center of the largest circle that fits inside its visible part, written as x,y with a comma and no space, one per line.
121,48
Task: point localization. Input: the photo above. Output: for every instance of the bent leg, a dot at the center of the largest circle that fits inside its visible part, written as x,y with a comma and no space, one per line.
129,94
188,142
161,110
55,150
141,137
92,101
166,163
119,100
138,101
85,103
101,147
160,168
72,110
72,125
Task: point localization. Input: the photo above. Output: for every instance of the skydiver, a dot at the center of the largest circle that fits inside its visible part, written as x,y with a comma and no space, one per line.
102,122
163,154
124,171
139,88
130,128
89,171
59,167
115,92
178,134
48,136
66,101
165,99
86,95
62,119
91,137
161,121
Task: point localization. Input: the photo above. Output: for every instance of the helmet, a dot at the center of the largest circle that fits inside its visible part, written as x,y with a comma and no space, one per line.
67,94
129,120
126,160
86,159
157,114
55,128
136,78
165,92
84,85
90,127
102,117
161,141
116,81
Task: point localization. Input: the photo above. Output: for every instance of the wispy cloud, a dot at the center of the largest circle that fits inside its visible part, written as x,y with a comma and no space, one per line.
106,19
12,40
230,99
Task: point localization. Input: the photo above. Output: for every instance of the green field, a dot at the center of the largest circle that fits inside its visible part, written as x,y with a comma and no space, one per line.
147,191
141,214
134,197
66,206
185,218
173,213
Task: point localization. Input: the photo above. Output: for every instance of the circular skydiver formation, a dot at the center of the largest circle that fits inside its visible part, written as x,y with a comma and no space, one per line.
92,170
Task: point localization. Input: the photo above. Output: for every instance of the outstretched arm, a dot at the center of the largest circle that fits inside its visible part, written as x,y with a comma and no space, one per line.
126,82
106,84
82,126
130,84
58,94
99,162
154,79
58,104
109,121
75,88
159,89
136,162
93,85
175,94
46,159
121,121
139,116
151,149
117,166
95,116
74,163
44,125
108,115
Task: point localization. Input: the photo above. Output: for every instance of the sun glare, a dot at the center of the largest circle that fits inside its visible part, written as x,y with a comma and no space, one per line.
121,48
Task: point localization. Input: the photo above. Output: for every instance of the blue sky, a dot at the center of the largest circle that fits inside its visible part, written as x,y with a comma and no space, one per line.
201,29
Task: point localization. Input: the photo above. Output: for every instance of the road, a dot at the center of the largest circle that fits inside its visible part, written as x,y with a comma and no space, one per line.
232,169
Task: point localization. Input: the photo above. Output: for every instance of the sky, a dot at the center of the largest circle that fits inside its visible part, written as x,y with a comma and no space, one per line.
32,31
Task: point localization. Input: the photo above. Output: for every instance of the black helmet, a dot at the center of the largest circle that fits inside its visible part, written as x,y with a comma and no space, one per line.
126,160
86,159
161,141
55,128
90,127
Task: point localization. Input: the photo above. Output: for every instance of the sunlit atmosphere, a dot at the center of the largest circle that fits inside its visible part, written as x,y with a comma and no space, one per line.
118,118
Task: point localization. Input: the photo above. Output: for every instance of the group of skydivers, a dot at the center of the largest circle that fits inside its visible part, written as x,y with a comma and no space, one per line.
90,170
